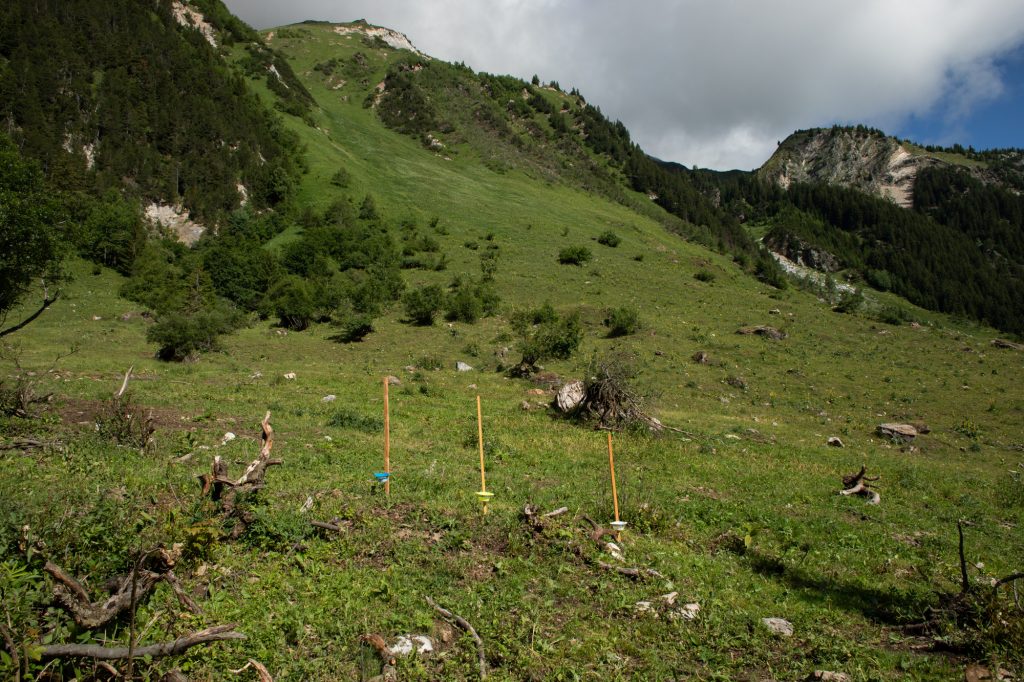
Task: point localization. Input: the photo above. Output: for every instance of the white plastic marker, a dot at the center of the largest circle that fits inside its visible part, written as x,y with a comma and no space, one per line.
483,495
616,524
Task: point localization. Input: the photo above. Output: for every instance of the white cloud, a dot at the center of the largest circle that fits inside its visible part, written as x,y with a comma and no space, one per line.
715,83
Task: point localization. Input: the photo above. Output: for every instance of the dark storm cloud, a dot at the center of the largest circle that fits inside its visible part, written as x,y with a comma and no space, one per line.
714,83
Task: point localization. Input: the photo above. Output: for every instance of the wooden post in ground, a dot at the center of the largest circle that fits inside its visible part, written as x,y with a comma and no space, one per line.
483,494
387,441
615,493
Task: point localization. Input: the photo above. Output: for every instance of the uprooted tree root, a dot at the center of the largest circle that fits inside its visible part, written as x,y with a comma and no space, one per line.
225,490
979,617
860,484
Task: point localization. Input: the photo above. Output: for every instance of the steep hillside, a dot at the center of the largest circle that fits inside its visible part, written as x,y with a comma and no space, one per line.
135,96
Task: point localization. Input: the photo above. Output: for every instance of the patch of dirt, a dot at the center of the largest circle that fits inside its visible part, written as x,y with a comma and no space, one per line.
86,412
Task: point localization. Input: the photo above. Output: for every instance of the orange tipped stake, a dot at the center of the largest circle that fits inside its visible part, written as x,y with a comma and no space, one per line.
387,441
483,495
617,525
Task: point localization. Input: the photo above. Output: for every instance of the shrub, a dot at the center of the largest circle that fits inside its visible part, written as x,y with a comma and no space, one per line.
609,238
182,335
849,302
556,339
622,321
353,327
704,276
471,301
293,302
894,314
423,304
341,178
575,255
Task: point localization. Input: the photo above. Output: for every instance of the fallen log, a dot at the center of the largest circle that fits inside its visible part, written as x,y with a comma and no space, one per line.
218,633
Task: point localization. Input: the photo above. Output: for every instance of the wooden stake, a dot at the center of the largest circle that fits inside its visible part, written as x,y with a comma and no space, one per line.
387,441
480,440
615,493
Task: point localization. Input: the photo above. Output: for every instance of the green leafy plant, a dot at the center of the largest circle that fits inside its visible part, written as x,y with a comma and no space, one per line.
575,255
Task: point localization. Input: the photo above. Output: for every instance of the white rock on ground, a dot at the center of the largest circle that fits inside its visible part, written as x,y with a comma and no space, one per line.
408,645
778,626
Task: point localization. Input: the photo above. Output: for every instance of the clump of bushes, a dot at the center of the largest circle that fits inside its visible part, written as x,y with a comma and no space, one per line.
553,337
609,238
421,305
575,255
704,276
622,321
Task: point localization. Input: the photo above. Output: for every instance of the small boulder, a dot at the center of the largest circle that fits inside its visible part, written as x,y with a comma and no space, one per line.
410,645
330,398
835,442
827,676
763,330
290,376
570,396
689,611
701,357
900,432
228,437
778,626
394,381
463,367
1007,345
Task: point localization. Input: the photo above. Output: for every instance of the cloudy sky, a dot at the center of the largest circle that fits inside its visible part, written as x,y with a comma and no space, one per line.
717,83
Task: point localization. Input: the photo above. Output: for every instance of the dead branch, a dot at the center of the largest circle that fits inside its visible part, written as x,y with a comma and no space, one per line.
260,669
378,644
1009,579
557,512
225,490
27,444
464,624
176,647
47,302
69,594
326,526
859,484
965,585
124,384
12,650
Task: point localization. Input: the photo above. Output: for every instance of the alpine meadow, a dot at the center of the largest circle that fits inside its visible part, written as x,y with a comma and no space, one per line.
324,359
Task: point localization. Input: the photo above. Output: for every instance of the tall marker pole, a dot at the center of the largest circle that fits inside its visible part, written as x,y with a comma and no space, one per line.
387,441
483,494
617,525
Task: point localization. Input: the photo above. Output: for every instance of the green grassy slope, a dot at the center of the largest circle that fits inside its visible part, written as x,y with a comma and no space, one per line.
752,462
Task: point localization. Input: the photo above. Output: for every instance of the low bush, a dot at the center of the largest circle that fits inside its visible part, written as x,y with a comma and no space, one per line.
421,305
623,321
609,238
575,255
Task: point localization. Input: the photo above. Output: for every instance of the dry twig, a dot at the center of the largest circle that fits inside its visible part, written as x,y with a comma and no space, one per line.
464,624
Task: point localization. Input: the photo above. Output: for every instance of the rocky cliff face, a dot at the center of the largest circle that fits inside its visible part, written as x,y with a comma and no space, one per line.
853,157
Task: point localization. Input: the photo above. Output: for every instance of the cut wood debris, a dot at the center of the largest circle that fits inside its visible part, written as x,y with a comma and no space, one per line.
860,484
